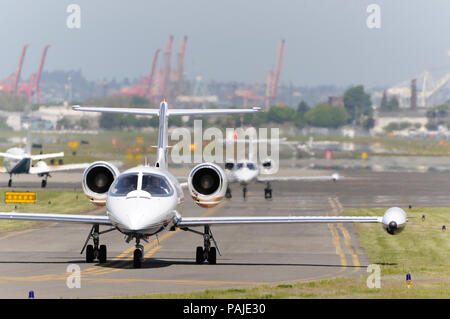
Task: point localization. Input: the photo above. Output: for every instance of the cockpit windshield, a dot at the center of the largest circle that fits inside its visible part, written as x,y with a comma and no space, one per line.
125,184
239,165
251,166
156,185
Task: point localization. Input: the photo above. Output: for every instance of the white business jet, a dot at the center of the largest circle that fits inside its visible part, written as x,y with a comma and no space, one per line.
146,200
248,171
20,161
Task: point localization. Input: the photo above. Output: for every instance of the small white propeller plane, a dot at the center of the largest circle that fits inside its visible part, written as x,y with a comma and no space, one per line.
248,171
146,200
20,161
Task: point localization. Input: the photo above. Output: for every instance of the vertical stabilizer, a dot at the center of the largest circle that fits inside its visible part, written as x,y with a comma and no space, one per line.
29,140
161,152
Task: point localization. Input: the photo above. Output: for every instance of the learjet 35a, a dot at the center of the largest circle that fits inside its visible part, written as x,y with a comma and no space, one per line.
247,171
146,200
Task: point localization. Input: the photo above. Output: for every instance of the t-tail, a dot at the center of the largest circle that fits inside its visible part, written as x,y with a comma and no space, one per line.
163,140
29,140
164,112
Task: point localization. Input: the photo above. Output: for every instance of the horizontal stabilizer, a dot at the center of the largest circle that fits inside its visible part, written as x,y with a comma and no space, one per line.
170,112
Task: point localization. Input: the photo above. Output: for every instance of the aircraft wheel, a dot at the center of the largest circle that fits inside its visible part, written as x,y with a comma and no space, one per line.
228,193
89,253
102,254
267,193
10,183
137,258
244,192
43,183
199,256
212,255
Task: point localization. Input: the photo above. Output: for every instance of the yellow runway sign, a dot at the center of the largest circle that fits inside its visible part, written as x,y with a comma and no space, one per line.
20,197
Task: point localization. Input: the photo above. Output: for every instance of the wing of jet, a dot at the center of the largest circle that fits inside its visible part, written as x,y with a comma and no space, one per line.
83,219
46,156
44,169
7,155
333,177
210,221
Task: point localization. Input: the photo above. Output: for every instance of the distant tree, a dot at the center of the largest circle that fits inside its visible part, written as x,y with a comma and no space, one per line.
175,121
393,104
357,103
280,114
325,115
84,123
121,101
302,108
64,122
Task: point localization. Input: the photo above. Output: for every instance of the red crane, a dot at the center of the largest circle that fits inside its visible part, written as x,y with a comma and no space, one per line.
31,86
144,85
10,83
180,61
273,77
166,70
272,80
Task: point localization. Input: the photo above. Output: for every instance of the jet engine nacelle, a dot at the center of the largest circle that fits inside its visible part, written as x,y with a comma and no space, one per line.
97,179
394,220
207,184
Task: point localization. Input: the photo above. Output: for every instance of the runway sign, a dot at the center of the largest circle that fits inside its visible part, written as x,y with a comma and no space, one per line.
20,197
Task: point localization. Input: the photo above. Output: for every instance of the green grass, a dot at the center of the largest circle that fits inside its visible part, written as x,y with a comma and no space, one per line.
57,202
393,145
422,250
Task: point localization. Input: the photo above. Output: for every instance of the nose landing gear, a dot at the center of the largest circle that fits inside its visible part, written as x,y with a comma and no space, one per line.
138,255
268,192
244,192
44,181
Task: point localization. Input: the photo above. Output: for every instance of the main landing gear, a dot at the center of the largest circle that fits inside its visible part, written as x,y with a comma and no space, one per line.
268,191
228,193
206,252
96,251
44,181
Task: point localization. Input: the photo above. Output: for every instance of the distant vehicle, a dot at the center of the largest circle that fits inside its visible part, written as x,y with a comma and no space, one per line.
146,200
20,161
248,171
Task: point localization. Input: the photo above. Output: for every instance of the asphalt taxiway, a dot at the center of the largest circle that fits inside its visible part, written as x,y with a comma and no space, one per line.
37,258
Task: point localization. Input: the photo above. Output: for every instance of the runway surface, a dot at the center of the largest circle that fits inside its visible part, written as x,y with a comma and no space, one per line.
37,258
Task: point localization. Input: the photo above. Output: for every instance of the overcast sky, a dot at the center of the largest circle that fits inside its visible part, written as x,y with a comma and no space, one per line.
327,41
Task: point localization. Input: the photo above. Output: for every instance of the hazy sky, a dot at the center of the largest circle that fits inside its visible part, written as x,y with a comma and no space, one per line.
327,41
